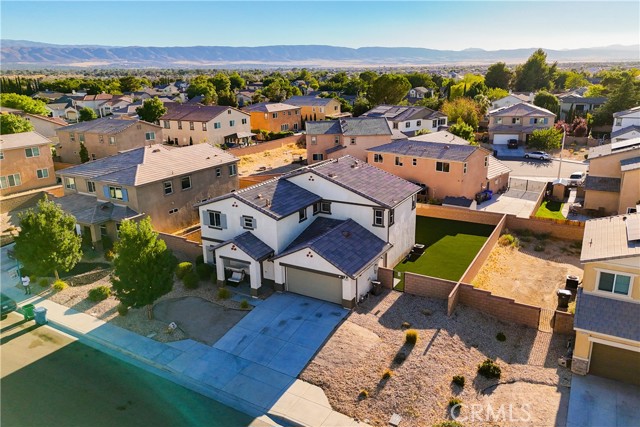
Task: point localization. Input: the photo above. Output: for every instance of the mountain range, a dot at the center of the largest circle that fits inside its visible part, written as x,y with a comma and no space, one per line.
27,54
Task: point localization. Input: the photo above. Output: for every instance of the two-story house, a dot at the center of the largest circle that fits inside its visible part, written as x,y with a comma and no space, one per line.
518,122
409,120
321,231
352,136
443,164
420,92
578,106
626,124
612,185
25,163
511,99
607,316
156,181
102,103
275,117
187,124
316,108
105,137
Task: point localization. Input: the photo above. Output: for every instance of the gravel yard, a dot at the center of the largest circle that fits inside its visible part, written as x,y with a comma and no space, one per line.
366,344
266,161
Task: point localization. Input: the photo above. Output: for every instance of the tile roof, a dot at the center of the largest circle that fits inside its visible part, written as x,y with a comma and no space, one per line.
88,210
250,244
627,112
442,136
625,130
105,125
54,120
300,101
345,244
150,164
350,126
398,113
608,316
325,127
606,238
22,140
614,148
496,168
630,164
270,107
428,150
521,110
602,183
195,112
573,99
98,97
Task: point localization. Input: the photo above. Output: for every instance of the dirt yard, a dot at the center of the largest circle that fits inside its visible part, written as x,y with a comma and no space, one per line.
269,160
419,389
528,275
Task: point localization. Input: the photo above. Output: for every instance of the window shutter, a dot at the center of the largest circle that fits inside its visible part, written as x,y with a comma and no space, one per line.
105,191
223,221
255,222
125,195
205,218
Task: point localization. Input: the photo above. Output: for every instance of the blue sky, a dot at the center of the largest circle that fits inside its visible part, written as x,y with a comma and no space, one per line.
491,25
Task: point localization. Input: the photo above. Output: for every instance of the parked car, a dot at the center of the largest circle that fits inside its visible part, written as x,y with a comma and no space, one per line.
512,143
540,155
577,178
8,305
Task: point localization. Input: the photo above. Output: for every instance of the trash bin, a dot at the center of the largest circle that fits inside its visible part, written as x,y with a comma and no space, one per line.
40,315
27,311
572,283
377,287
563,298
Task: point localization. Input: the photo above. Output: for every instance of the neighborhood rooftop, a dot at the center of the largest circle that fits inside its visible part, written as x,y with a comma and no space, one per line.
522,109
626,112
269,107
402,113
442,137
250,244
608,238
350,126
429,150
193,112
105,125
597,314
22,140
615,148
88,210
300,101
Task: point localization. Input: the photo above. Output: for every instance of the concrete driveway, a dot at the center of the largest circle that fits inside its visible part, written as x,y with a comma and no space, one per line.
598,402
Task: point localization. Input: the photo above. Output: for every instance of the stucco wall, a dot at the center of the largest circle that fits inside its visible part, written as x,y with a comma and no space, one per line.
16,162
629,191
624,265
483,254
182,246
608,201
266,121
211,135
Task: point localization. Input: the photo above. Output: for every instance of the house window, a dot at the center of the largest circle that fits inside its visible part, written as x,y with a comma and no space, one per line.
316,208
414,162
295,126
191,126
248,222
419,123
103,230
118,225
232,123
116,193
91,186
166,124
618,122
218,172
391,216
42,173
442,122
297,112
70,183
215,219
274,115
112,140
302,215
32,152
244,121
515,120
398,161
317,157
228,111
217,125
464,168
325,207
498,120
204,126
314,141
377,158
1,155
233,169
407,125
81,137
150,136
414,200
168,187
378,217
434,124
172,211
185,182
284,127
615,283
10,181
442,166
179,124
336,140
353,141
72,137
101,139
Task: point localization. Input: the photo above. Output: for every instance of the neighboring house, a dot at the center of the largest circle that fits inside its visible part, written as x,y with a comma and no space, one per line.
315,108
168,89
186,124
103,103
330,139
321,230
244,97
420,92
612,185
409,120
607,317
275,117
25,163
254,86
45,126
578,106
518,122
105,137
58,108
626,124
511,99
47,95
443,164
156,181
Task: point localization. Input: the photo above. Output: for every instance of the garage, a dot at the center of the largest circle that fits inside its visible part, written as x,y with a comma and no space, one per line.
615,363
503,138
315,285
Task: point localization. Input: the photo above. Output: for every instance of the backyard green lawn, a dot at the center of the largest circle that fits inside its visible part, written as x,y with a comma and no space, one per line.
451,246
550,209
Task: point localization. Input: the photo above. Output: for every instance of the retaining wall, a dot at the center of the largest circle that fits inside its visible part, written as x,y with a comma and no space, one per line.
563,323
182,247
427,286
457,214
385,276
483,254
573,230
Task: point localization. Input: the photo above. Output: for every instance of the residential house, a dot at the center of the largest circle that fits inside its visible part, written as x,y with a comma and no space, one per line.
47,95
608,301
330,139
518,122
25,163
443,164
186,124
612,185
512,99
578,106
420,92
626,124
275,117
321,230
167,89
244,97
45,126
315,108
58,108
253,86
161,182
103,103
105,137
409,120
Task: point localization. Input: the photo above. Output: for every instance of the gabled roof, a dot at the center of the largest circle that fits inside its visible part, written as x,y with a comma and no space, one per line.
496,168
522,109
350,126
55,120
270,107
22,140
428,150
608,316
249,244
344,244
442,137
88,210
195,112
98,97
624,130
106,125
399,113
150,164
573,99
627,112
606,238
301,101
632,144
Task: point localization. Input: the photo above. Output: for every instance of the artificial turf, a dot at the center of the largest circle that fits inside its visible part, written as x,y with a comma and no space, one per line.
550,209
450,247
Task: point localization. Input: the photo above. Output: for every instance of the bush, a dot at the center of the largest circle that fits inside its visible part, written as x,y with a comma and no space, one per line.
44,282
60,285
183,268
405,325
387,374
453,401
489,369
204,271
244,304
411,336
363,394
214,277
224,293
191,280
109,255
199,259
508,240
501,337
458,380
572,308
122,309
100,293
448,423
539,247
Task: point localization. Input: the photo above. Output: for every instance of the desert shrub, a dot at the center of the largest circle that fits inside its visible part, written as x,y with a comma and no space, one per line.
191,280
122,309
448,423
542,236
109,255
539,247
183,268
411,336
204,271
453,401
525,239
244,304
387,374
224,293
60,285
508,240
44,282
489,369
458,380
199,259
363,394
572,308
100,293
405,325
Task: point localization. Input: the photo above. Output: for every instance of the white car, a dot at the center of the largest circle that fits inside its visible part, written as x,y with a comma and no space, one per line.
577,178
540,155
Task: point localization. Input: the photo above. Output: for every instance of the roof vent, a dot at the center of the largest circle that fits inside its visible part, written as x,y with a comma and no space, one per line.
346,234
259,196
446,147
332,175
156,150
267,203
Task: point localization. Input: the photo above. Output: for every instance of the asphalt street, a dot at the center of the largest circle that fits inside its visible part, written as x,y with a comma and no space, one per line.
538,169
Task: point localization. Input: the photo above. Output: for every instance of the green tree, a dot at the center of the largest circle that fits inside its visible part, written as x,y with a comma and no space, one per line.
388,89
227,98
496,93
83,153
368,77
221,82
535,74
547,100
151,110
462,108
86,114
483,103
498,76
10,123
48,241
24,103
361,106
433,103
236,81
622,97
463,130
595,91
143,266
420,80
130,83
546,139
201,85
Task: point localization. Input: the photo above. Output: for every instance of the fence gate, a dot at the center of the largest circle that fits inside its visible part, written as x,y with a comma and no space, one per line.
547,319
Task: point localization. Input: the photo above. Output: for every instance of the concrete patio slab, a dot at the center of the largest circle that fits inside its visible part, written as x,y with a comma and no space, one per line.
291,359
236,340
253,391
262,349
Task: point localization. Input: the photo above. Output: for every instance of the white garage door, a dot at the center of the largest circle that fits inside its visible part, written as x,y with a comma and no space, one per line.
315,285
503,138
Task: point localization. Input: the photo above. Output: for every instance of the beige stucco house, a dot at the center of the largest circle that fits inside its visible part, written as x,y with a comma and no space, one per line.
518,121
25,163
314,108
